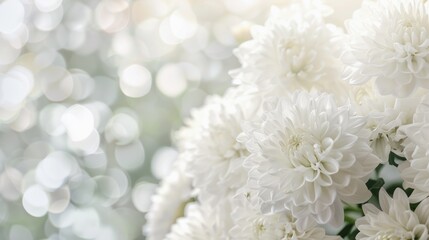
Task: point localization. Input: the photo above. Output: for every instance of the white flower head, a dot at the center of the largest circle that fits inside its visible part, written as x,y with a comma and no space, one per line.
295,49
168,203
385,115
415,170
395,220
214,157
251,224
308,155
203,222
389,42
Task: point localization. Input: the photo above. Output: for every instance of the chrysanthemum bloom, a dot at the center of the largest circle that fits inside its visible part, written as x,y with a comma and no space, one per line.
385,115
203,222
308,155
395,220
389,42
415,171
250,224
295,49
214,157
168,204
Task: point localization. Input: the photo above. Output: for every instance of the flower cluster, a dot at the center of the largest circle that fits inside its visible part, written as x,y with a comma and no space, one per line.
306,143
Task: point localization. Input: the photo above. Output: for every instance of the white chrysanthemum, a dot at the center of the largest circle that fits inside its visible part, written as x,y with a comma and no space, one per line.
415,171
385,115
389,42
395,220
295,49
251,224
168,204
214,157
203,222
308,155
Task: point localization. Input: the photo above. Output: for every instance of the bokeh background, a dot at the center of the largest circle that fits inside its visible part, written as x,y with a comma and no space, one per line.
90,92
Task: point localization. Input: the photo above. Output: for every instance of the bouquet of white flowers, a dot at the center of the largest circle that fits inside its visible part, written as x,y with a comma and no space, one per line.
324,136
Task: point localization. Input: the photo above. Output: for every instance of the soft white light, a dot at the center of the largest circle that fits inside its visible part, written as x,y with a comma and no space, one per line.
47,5
162,161
130,156
121,129
11,15
171,80
135,81
79,122
35,201
54,170
141,196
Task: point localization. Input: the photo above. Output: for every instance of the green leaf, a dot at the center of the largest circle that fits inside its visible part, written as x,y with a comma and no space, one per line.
374,185
346,230
393,157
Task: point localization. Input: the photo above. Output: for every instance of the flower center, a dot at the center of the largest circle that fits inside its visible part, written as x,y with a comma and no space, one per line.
294,142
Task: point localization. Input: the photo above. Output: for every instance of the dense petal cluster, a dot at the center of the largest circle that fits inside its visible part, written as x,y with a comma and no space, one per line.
293,50
415,171
202,222
293,151
395,220
308,155
214,157
385,115
250,223
389,42
168,203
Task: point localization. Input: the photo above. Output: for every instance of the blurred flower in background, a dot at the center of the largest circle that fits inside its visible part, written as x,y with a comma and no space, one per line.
90,92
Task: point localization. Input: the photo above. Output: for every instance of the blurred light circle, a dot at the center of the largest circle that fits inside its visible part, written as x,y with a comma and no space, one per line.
171,80
112,15
47,5
78,16
15,86
83,191
183,23
60,199
57,83
12,15
162,161
142,194
166,33
8,53
48,21
87,145
107,190
78,121
35,201
20,232
83,85
121,178
50,119
101,113
86,223
55,169
123,44
96,160
26,119
63,219
121,129
10,182
135,81
131,156
152,45
19,37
